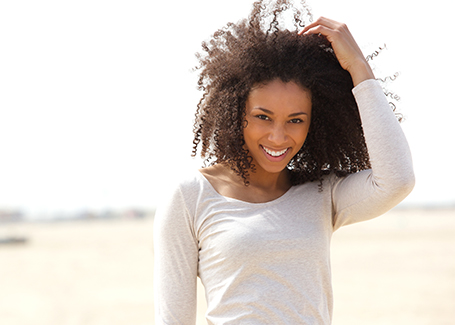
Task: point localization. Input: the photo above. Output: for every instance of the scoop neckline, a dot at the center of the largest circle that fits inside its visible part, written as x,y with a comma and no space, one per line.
227,198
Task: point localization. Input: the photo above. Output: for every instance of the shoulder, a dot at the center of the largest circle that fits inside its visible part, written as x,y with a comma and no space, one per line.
217,171
181,184
222,179
319,187
178,199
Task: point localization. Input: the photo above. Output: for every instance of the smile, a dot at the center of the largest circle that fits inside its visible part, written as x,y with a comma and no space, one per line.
275,153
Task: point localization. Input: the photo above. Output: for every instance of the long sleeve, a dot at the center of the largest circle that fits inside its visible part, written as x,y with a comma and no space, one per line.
370,193
175,262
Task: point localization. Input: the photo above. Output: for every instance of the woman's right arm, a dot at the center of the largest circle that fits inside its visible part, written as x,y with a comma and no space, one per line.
175,262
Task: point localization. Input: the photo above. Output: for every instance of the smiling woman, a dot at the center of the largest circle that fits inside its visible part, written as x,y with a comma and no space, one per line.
278,117
239,60
299,140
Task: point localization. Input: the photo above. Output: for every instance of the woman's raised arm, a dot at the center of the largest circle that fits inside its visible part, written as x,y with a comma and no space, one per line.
369,193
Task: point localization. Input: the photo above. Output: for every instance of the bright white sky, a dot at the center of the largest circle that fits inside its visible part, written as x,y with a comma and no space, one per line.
97,97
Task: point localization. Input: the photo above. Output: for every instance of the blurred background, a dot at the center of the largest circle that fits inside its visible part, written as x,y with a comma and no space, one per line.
96,107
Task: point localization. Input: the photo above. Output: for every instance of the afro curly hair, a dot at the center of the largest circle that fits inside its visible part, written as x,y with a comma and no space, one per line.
256,51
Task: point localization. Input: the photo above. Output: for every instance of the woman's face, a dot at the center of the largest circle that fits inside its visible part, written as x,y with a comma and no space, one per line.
278,116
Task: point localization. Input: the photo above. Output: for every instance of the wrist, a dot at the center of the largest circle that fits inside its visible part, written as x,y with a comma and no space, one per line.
361,72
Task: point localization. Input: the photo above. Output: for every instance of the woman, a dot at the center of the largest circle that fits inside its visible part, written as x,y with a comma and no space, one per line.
300,140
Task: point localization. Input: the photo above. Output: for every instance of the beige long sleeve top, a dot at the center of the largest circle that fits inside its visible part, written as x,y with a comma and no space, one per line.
269,263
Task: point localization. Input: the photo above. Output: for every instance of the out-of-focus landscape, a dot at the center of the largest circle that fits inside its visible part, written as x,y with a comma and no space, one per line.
396,269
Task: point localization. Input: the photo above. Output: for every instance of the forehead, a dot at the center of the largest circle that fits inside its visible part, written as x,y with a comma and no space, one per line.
279,94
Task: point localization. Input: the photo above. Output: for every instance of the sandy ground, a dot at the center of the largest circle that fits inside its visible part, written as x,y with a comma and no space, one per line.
397,269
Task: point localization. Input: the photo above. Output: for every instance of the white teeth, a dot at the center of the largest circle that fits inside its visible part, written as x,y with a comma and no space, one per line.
275,153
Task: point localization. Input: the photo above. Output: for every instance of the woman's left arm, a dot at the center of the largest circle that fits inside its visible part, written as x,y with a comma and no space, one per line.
369,193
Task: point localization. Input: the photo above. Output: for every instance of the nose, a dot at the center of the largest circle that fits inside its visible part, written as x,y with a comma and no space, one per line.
277,134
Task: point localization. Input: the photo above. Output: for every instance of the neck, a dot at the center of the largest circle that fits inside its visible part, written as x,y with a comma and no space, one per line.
270,181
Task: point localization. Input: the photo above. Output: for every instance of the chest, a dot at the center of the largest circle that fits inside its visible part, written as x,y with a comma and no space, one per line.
288,230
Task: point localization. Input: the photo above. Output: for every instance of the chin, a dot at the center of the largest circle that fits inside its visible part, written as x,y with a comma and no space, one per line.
271,169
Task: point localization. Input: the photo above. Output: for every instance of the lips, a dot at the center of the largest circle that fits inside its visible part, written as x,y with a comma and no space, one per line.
275,156
274,153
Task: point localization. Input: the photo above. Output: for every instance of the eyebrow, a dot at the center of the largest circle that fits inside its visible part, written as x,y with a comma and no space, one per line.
290,115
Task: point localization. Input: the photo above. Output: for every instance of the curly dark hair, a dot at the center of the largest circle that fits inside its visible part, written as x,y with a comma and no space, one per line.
258,50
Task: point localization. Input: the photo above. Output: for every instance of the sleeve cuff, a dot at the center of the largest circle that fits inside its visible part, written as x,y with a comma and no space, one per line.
369,84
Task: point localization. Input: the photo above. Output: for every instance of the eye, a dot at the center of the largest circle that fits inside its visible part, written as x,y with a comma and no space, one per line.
296,120
263,117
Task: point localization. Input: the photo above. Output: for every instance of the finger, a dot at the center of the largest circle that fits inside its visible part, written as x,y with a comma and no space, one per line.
321,30
339,37
321,21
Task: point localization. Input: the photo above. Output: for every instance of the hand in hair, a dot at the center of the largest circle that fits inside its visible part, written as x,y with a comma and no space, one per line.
345,47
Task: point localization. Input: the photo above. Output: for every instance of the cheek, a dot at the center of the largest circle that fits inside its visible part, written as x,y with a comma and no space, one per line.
301,134
247,135
251,132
